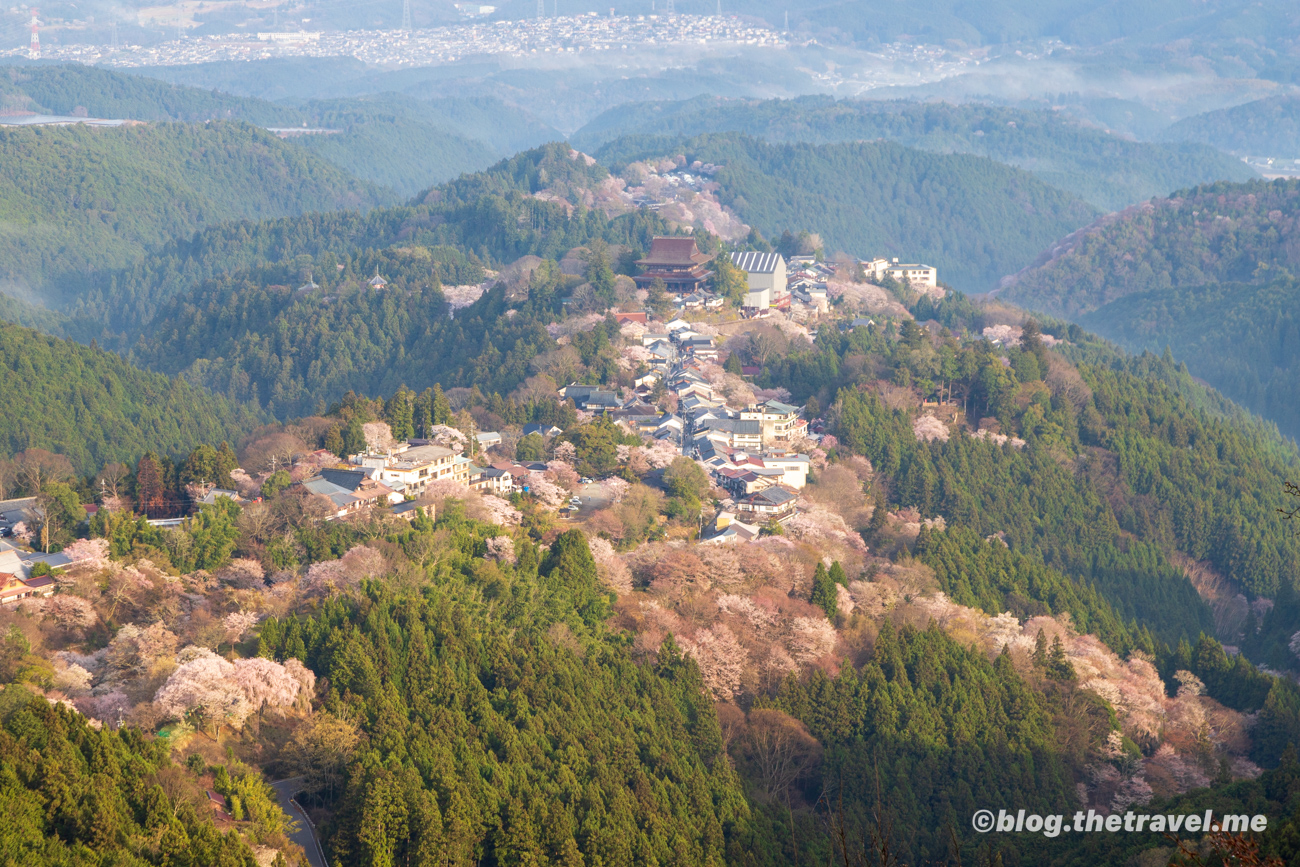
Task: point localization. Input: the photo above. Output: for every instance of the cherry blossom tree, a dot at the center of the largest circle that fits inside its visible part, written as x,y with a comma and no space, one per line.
136,650
266,684
72,679
72,613
501,549
306,681
928,429
613,572
242,573
379,436
362,562
498,511
811,638
720,657
88,553
237,624
545,490
204,688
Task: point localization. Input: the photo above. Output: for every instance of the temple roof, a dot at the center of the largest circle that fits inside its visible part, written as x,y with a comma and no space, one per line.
679,250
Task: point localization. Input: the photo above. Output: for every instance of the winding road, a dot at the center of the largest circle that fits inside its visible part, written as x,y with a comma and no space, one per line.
305,836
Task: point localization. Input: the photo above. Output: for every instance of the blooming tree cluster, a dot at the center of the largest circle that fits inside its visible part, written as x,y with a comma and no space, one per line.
928,429
218,691
379,436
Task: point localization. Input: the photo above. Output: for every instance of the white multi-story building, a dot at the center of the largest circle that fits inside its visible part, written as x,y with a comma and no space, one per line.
780,422
878,269
766,277
410,469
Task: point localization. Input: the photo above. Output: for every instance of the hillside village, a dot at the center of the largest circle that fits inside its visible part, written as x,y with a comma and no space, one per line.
754,451
685,393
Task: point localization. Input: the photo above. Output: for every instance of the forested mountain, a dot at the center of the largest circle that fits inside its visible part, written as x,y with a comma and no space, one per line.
1206,272
78,201
409,144
1107,171
1266,127
66,88
1212,233
393,141
972,218
1242,338
280,312
78,795
96,408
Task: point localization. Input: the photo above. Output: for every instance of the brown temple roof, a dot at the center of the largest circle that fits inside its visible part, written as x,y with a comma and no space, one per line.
680,250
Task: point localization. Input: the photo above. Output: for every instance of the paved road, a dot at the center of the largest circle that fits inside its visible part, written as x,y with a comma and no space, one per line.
305,836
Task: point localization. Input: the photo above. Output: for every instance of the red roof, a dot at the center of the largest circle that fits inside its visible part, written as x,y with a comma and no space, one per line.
680,250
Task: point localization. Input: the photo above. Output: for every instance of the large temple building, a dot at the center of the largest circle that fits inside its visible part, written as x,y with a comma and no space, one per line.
678,262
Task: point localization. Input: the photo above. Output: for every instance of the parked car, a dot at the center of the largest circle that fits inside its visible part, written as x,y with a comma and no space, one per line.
588,481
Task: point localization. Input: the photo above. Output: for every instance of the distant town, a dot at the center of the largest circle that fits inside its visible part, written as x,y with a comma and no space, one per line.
529,37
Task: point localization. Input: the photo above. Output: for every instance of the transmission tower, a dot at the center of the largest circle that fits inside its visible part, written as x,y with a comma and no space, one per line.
406,15
719,8
541,8
668,7
34,52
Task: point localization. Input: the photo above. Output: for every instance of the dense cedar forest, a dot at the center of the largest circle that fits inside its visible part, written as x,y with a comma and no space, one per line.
97,408
63,89
970,217
409,144
1241,338
1161,465
393,141
1266,127
1208,234
77,201
76,795
1104,170
1076,592
489,218
1206,272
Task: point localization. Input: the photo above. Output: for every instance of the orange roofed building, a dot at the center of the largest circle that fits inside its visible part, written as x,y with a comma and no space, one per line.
678,262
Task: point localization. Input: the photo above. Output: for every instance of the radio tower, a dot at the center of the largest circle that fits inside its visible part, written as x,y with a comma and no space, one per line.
669,7
34,52
541,8
406,15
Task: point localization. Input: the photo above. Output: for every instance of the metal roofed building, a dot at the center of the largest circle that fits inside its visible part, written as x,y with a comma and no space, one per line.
766,276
